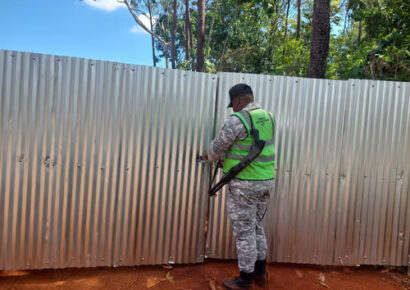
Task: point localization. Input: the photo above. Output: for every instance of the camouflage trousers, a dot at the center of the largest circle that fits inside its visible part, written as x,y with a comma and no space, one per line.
246,209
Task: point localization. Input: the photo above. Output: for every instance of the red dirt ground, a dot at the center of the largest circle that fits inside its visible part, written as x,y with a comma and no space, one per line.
204,276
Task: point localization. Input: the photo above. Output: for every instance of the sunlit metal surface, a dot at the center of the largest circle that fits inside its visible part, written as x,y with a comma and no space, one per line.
98,162
98,166
343,167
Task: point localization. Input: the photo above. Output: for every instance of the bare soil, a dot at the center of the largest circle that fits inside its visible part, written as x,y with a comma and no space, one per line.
205,276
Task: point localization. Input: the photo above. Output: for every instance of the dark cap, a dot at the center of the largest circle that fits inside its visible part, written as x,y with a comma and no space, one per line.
237,90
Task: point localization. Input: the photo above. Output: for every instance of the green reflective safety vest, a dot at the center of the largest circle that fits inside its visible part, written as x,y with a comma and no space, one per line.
263,167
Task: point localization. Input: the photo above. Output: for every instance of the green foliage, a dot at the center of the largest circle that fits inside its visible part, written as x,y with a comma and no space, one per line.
377,44
251,37
369,38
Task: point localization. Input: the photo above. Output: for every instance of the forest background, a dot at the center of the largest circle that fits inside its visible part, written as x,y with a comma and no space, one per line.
335,39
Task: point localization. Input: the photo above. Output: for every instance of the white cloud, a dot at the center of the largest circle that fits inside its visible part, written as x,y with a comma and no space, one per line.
138,29
106,5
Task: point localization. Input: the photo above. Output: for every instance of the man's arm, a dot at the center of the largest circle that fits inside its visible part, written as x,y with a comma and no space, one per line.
232,129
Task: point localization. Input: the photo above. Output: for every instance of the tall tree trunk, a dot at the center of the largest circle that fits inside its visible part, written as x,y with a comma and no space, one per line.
165,48
152,37
319,48
153,51
298,21
173,32
188,31
201,36
191,38
166,54
286,20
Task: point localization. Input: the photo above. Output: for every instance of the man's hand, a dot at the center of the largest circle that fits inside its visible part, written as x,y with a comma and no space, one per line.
211,156
220,163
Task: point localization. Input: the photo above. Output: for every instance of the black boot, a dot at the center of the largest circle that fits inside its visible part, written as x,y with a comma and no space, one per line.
260,275
244,281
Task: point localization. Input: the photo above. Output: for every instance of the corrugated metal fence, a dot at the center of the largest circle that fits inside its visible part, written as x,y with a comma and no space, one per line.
342,194
98,166
98,162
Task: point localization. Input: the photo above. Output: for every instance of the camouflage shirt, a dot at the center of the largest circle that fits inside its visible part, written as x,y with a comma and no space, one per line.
232,130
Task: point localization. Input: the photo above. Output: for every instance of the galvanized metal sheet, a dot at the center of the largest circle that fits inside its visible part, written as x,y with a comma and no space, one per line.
373,214
337,143
97,166
98,162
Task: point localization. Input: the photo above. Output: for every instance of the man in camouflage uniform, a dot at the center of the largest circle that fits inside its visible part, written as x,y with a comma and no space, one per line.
247,199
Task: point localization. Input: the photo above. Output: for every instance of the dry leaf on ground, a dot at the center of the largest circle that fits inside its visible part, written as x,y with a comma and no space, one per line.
169,277
322,277
299,273
212,284
152,281
322,280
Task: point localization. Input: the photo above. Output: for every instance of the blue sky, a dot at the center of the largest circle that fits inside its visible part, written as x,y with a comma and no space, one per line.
102,30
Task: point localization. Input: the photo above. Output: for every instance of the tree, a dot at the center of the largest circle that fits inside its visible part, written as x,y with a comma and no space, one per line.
286,19
201,36
150,14
133,8
319,48
188,31
298,19
173,32
282,37
375,42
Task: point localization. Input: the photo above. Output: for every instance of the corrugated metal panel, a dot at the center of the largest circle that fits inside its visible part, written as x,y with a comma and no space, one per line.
98,162
374,218
317,212
97,166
